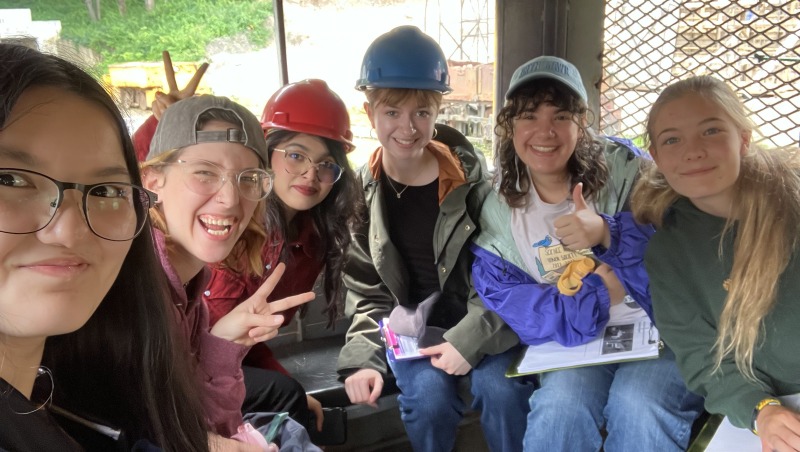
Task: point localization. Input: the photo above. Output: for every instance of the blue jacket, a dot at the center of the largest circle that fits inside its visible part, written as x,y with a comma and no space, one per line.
538,313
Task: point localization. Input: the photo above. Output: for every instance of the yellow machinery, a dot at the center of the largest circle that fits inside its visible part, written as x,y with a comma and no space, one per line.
136,83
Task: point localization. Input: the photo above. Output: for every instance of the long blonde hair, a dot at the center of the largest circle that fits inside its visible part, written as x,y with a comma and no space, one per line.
245,257
766,217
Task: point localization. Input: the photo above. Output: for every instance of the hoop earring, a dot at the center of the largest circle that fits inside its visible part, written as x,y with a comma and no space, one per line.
589,118
42,370
370,133
435,132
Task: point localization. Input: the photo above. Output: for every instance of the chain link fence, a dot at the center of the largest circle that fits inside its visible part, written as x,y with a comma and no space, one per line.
752,45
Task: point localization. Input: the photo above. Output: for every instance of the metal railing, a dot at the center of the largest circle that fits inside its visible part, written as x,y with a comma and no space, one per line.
752,45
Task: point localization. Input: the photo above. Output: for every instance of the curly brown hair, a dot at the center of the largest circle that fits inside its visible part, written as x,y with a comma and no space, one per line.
586,164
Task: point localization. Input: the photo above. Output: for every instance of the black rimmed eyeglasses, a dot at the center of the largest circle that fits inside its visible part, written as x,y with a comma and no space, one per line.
115,211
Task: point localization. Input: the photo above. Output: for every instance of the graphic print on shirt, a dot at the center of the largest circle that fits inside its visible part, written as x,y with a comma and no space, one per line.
540,249
552,258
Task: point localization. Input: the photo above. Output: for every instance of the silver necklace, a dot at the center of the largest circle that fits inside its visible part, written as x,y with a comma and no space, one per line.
398,193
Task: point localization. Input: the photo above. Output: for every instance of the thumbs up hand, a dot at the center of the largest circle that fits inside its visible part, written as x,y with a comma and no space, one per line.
583,228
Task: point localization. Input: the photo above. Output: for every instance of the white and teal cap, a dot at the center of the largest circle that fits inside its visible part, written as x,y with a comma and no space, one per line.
548,67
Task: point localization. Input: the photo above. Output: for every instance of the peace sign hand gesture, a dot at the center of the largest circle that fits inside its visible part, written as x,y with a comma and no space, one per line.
256,319
163,101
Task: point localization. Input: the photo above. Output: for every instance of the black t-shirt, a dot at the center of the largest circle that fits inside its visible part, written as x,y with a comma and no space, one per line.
412,220
37,430
50,429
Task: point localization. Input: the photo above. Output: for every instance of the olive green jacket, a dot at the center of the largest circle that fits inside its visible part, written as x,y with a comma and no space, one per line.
377,280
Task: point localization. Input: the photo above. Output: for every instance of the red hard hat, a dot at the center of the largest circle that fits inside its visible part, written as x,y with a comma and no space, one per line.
309,106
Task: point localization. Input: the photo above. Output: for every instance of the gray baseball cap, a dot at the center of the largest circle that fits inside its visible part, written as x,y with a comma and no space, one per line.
178,127
548,67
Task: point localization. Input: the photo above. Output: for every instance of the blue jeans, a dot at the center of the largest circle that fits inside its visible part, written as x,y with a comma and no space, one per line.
431,408
643,405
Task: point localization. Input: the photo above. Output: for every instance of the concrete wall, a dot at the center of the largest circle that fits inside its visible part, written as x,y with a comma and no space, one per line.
570,29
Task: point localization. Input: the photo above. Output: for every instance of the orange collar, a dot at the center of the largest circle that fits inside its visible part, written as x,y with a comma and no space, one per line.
451,175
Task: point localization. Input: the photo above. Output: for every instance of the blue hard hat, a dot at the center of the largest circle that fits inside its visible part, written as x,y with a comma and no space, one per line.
404,58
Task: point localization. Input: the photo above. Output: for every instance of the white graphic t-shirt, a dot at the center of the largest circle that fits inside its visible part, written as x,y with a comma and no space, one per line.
534,233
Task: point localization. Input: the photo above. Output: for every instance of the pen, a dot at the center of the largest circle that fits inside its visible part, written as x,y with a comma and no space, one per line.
391,339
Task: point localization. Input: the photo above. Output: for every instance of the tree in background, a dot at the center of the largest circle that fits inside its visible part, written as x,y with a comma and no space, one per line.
141,30
94,9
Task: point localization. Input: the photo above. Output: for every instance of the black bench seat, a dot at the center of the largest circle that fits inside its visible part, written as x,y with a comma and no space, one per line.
312,362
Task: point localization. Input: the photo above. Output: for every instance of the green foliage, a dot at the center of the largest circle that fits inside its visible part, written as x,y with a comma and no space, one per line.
184,27
639,141
483,146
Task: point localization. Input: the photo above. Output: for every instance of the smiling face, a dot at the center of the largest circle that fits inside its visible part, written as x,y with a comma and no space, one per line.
699,149
203,228
544,139
403,128
304,191
51,281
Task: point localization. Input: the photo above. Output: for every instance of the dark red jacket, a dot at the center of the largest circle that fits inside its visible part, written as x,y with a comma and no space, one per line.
226,289
218,362
143,136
